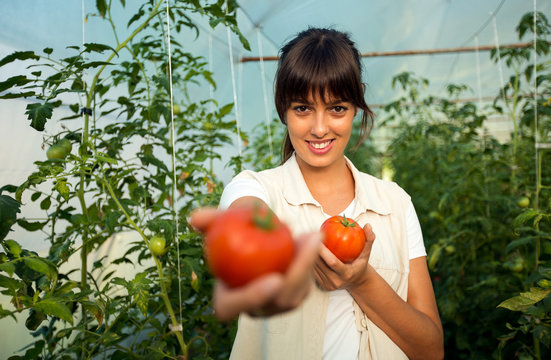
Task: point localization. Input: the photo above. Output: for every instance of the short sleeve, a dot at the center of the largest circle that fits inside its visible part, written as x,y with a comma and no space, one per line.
238,188
415,236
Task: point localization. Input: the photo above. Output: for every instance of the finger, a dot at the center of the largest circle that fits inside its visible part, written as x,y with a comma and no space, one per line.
331,261
228,303
201,218
369,234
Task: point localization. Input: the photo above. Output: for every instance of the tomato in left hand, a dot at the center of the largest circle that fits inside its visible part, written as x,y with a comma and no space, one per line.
344,237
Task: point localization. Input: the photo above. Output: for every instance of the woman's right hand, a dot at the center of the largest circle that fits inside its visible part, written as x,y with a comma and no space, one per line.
270,294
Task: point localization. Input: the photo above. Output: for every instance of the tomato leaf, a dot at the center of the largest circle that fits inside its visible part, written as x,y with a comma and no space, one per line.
525,299
19,55
139,289
55,307
41,266
13,248
102,7
31,226
9,208
19,80
39,114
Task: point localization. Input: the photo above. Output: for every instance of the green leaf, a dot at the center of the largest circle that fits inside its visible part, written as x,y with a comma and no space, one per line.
105,158
55,307
19,55
39,114
9,208
11,284
45,203
8,267
525,299
35,318
102,7
13,248
19,80
31,226
139,289
525,217
99,48
62,188
66,287
41,266
226,109
18,95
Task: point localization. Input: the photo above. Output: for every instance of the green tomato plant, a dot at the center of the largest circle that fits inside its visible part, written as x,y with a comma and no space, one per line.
125,175
488,253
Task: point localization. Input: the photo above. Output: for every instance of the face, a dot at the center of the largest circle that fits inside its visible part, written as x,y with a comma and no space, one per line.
319,130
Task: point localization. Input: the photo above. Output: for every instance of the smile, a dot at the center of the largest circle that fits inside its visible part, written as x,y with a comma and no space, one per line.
320,145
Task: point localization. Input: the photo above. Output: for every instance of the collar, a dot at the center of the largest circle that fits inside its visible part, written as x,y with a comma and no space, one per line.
367,189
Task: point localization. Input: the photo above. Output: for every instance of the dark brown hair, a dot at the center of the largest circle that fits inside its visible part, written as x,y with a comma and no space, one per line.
324,62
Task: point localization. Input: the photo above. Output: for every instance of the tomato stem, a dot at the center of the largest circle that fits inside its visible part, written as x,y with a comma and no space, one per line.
347,223
263,221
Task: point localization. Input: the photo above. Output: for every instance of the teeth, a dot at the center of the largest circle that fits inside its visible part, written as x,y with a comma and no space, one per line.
320,145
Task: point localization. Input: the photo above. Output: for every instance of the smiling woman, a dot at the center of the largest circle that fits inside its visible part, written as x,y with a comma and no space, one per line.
378,306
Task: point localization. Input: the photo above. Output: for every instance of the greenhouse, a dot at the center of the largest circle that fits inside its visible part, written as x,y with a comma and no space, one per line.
124,124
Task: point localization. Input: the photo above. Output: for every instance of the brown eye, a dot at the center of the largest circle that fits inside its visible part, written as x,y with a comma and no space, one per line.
339,109
300,109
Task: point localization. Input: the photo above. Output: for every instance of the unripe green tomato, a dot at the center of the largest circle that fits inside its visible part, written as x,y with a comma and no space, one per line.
157,245
176,109
66,144
450,249
517,266
523,202
3,258
56,152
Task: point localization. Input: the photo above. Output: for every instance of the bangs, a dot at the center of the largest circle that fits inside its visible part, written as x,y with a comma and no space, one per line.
318,68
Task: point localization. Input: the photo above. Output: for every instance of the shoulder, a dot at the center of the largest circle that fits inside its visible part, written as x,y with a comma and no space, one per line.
267,178
385,188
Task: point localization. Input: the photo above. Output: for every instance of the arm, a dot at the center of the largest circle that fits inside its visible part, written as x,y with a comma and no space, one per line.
413,325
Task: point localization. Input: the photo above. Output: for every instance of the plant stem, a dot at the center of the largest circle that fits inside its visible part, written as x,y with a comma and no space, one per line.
164,292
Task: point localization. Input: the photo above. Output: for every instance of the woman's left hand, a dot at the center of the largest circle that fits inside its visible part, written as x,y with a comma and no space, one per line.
330,273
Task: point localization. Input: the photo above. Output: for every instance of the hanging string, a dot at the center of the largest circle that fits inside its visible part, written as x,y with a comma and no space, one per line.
240,84
236,110
211,88
264,91
496,39
173,140
478,71
536,134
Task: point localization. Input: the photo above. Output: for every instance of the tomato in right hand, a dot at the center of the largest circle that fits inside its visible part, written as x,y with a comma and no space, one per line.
243,244
344,237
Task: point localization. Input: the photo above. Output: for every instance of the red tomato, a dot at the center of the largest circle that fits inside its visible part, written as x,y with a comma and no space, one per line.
344,237
245,243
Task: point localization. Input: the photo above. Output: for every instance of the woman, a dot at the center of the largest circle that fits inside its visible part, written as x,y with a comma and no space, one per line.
381,306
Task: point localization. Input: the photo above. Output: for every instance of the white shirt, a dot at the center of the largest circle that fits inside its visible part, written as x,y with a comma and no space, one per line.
342,340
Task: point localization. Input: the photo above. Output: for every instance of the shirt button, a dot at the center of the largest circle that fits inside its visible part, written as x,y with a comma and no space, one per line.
364,323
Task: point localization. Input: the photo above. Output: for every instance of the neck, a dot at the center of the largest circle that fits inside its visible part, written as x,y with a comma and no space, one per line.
327,179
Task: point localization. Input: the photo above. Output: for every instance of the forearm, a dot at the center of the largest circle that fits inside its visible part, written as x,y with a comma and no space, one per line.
416,333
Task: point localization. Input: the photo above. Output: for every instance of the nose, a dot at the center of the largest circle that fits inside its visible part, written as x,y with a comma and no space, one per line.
320,126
